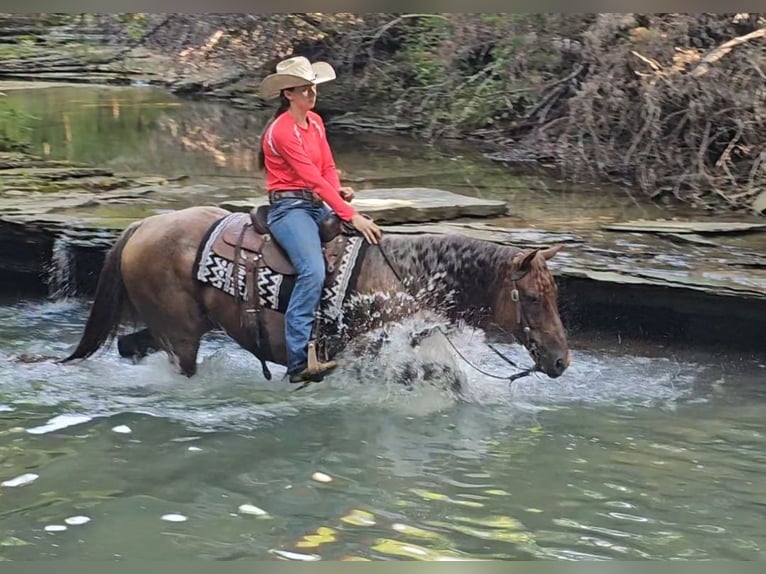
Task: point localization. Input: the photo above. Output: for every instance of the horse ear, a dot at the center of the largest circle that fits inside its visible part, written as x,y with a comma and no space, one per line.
551,251
526,262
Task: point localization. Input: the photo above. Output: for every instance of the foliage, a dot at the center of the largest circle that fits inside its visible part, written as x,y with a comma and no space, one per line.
621,96
14,130
666,106
134,24
624,96
451,74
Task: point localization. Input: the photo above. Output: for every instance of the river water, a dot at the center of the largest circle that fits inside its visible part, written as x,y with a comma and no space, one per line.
639,451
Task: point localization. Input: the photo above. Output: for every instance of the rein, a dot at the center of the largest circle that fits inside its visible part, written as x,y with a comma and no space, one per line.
520,317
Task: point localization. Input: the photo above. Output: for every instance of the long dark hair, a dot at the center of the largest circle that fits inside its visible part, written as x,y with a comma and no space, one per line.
284,105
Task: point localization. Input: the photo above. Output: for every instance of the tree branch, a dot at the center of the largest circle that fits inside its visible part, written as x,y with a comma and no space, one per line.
719,52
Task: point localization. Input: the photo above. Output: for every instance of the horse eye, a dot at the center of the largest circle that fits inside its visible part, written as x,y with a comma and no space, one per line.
531,297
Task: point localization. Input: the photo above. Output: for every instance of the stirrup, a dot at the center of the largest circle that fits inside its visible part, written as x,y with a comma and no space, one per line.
315,370
313,376
313,365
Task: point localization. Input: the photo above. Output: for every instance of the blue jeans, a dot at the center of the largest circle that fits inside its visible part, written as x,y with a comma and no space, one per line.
294,223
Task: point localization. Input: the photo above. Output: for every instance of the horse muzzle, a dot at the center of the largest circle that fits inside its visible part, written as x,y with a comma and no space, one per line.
553,364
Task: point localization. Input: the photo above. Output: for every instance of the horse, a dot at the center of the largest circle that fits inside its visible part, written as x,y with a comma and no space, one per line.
175,273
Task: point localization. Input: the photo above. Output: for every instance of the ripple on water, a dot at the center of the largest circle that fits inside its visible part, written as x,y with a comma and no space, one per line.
20,480
77,520
60,422
174,517
459,504
297,556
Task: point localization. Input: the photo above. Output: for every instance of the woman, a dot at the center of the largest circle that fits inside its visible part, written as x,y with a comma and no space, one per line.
302,182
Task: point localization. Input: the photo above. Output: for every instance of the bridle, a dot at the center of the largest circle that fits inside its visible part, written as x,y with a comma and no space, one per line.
521,319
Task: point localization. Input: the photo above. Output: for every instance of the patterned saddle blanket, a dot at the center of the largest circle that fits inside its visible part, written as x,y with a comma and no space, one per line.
264,276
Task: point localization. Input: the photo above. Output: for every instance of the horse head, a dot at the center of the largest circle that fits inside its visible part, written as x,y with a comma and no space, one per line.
527,305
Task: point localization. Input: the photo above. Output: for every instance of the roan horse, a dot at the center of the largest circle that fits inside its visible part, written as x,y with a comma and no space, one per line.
171,271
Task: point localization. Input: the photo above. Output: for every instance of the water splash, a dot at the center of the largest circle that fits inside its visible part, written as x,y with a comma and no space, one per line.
380,370
60,271
395,355
387,359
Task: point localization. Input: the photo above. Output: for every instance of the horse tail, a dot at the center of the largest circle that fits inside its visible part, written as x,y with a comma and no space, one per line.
109,301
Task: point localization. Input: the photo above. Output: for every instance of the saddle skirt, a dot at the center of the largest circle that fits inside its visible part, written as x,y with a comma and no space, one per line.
264,275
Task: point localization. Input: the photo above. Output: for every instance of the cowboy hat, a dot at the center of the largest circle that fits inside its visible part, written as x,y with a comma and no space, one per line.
297,71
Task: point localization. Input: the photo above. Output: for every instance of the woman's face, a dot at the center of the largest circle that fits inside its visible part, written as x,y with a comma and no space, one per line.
304,97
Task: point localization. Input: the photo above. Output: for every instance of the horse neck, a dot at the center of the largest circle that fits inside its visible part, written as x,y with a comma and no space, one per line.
454,273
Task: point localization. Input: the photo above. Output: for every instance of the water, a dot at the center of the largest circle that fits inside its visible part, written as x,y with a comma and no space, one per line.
639,451
60,271
214,146
633,453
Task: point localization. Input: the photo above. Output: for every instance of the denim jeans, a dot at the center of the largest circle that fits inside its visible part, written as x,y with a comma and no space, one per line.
294,223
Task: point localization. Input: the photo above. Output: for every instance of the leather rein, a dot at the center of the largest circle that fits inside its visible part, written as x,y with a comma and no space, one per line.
521,319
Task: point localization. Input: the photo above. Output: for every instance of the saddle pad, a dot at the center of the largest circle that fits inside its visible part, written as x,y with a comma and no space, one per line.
274,289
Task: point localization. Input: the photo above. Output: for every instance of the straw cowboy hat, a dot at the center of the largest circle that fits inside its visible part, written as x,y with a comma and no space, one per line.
297,71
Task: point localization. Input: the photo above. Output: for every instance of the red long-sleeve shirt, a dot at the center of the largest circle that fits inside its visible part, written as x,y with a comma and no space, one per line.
300,158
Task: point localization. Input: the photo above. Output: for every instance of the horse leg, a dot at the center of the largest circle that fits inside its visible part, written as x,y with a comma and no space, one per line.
183,351
157,271
175,325
184,354
180,340
137,345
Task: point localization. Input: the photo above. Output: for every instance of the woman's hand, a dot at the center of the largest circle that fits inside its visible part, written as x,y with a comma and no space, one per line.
347,193
367,227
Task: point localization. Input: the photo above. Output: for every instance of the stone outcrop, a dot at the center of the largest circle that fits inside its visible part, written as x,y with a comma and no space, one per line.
407,205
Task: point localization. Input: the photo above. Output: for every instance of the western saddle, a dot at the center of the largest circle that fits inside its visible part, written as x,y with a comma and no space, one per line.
248,241
254,239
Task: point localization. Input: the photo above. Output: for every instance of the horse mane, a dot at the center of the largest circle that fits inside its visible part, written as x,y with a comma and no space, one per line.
457,273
